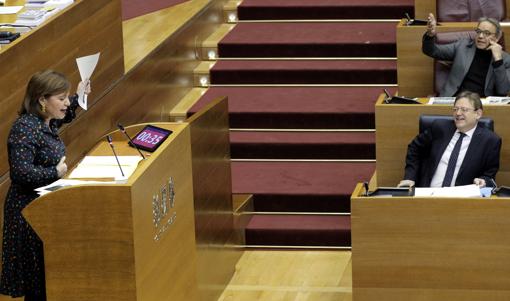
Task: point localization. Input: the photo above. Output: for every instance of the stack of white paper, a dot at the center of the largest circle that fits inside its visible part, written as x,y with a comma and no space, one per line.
65,183
466,191
105,167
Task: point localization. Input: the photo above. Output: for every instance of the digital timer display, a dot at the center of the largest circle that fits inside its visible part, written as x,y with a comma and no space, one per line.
151,137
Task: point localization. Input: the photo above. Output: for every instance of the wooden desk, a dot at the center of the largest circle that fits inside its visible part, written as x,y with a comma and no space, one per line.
100,241
429,249
414,69
396,126
99,237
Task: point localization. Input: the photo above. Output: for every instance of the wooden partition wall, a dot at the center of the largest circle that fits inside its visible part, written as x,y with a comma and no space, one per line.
429,249
212,189
393,137
422,8
132,241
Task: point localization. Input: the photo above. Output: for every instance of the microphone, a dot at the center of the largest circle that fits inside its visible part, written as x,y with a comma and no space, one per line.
495,188
109,138
365,185
122,129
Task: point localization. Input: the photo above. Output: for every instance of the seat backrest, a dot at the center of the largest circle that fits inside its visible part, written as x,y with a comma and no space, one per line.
442,68
427,120
470,10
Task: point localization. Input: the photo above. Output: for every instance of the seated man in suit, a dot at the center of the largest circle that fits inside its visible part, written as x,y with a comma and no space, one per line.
479,66
453,153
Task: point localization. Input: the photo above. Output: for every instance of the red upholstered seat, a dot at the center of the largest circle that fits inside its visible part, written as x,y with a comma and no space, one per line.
470,10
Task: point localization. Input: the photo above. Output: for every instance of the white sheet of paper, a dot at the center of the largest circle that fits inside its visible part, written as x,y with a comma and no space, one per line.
466,191
64,183
105,167
86,66
8,10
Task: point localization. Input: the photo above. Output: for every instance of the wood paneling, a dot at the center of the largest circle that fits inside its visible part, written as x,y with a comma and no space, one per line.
212,187
393,137
410,248
415,70
100,241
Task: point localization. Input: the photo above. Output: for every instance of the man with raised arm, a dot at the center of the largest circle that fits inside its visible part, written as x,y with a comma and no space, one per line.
478,65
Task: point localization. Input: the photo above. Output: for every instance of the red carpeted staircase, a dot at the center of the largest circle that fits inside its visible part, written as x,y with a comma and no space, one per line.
301,103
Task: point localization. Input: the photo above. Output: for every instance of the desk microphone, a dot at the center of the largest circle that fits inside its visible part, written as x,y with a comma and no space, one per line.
365,185
109,138
122,129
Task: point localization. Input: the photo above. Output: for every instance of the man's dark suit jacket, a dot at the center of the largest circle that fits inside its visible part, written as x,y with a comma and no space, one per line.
426,150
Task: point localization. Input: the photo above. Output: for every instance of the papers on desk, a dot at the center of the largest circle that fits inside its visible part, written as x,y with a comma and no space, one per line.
489,100
95,167
496,100
441,100
66,183
465,191
9,10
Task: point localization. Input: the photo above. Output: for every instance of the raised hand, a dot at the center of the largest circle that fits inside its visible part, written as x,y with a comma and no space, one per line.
497,50
431,25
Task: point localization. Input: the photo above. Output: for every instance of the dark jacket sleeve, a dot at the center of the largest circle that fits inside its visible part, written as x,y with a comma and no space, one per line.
417,150
22,145
502,76
444,52
491,164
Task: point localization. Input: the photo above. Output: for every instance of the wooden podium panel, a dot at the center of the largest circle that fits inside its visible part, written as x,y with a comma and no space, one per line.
397,125
101,241
428,249
217,251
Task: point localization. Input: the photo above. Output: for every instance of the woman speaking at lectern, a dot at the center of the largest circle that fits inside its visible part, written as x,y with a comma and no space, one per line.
36,158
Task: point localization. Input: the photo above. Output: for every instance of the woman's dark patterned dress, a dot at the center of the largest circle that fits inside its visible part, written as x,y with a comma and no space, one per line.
34,151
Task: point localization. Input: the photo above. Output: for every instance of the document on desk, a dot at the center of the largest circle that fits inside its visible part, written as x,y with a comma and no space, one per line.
465,191
61,183
9,10
105,167
86,66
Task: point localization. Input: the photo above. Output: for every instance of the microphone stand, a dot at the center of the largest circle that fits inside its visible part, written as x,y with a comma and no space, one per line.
122,129
109,138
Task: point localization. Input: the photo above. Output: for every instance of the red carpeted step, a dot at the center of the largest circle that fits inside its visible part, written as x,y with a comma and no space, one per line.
299,230
297,107
302,145
300,186
310,40
324,9
233,72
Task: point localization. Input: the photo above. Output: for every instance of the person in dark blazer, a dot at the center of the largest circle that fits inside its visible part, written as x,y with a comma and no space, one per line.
36,158
431,152
478,65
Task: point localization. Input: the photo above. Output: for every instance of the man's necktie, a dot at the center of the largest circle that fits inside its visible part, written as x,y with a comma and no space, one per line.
452,162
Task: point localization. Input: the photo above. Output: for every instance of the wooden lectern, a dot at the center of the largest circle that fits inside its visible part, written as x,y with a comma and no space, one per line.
428,249
101,242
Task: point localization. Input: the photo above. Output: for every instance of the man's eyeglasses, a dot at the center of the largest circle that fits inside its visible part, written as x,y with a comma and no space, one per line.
462,109
484,33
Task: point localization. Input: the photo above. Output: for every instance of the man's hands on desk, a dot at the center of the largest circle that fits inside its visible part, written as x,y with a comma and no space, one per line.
410,183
